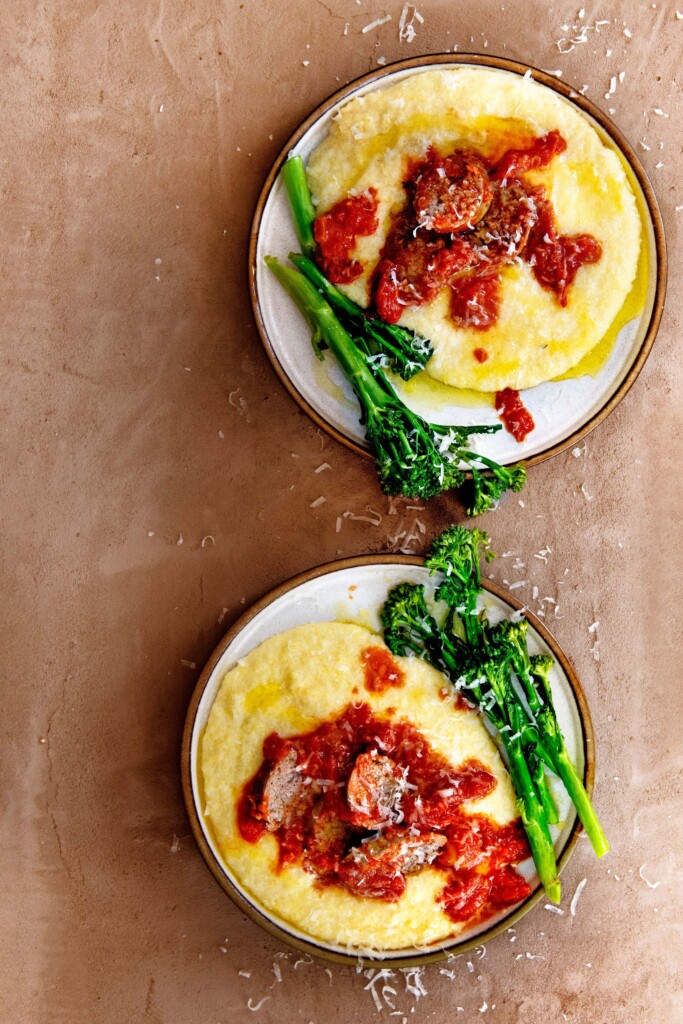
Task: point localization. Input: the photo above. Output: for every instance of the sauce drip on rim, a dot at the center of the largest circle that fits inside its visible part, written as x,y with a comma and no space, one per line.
514,414
361,802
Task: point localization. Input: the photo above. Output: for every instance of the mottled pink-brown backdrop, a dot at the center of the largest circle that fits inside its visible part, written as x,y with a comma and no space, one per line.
157,479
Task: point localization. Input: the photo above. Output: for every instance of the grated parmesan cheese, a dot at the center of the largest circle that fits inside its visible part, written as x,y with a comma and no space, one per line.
376,24
652,885
406,27
575,897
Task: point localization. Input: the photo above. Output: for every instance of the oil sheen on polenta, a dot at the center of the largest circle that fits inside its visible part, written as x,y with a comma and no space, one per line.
290,684
534,339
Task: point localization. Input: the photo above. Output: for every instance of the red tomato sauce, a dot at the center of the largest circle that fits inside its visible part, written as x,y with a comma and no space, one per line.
556,259
475,303
319,830
480,854
456,698
514,414
337,231
538,154
381,670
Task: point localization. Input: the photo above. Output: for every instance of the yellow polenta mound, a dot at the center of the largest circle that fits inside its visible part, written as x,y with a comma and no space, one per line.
291,684
535,339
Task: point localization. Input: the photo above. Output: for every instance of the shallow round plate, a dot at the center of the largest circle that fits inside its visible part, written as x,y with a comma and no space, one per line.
564,411
354,590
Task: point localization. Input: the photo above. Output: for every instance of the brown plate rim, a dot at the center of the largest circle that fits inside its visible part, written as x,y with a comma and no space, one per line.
214,865
568,93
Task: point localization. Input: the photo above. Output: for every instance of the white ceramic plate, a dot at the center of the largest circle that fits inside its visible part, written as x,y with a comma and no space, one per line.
563,411
354,591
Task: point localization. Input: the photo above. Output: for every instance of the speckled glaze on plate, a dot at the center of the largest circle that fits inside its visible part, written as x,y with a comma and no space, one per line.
564,411
322,595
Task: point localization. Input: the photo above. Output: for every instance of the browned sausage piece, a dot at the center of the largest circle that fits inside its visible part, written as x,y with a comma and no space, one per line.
285,793
501,236
327,842
377,869
452,192
405,851
374,790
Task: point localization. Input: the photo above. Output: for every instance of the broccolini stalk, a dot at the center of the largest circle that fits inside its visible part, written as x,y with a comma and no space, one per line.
300,203
533,815
532,800
513,635
537,771
456,555
410,628
326,326
398,349
414,458
540,666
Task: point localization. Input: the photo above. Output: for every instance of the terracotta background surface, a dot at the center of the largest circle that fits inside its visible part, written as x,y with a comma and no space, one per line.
157,478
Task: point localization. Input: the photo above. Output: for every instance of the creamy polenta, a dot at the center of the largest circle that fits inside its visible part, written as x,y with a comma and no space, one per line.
371,142
289,685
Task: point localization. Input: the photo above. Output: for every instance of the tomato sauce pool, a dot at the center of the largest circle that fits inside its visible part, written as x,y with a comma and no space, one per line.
381,671
300,794
337,231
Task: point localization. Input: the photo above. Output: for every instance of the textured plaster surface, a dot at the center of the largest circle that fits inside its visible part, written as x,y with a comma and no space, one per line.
158,479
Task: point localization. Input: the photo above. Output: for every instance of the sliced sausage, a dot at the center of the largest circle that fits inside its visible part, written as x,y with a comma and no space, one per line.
327,843
501,236
285,793
374,790
377,869
452,192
